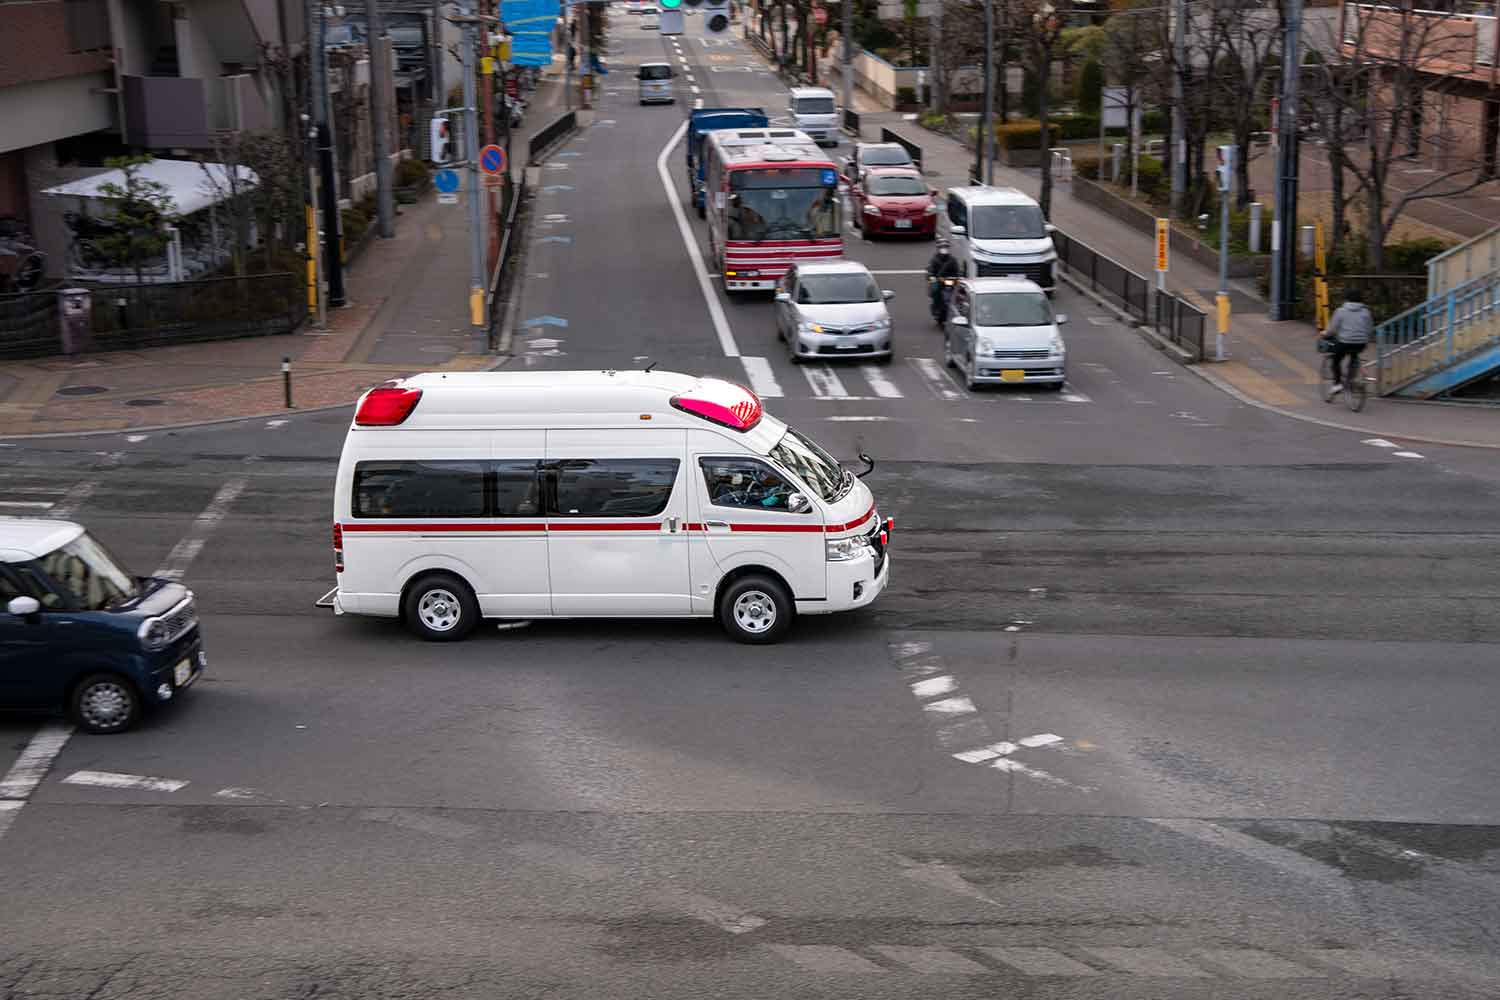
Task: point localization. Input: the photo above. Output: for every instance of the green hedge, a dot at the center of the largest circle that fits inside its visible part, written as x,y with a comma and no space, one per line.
1023,135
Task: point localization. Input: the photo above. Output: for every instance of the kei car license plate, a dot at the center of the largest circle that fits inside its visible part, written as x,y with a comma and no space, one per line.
182,672
1012,375
903,223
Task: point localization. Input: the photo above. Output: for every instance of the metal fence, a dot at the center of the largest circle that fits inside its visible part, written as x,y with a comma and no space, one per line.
509,240
126,317
564,124
1164,312
851,122
915,151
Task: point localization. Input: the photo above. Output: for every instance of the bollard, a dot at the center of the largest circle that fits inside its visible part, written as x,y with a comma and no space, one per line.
286,379
1255,210
1305,244
1116,157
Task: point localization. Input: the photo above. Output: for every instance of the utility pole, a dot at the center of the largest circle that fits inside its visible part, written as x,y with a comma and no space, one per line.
1284,225
333,262
1179,122
380,111
986,121
997,73
485,7
939,93
471,22
847,60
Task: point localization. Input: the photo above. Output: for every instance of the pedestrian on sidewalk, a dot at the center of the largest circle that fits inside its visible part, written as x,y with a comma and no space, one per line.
1349,330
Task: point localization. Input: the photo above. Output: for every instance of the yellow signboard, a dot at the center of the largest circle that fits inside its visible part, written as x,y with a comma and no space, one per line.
1163,241
1320,256
487,66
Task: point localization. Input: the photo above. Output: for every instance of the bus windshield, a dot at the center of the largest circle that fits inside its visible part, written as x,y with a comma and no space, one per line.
783,213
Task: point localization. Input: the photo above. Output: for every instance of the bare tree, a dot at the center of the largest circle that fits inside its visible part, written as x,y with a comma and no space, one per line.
1375,96
1042,24
1127,51
1250,48
1198,70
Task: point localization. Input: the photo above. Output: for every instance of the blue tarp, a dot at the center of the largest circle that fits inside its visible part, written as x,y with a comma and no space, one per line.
530,24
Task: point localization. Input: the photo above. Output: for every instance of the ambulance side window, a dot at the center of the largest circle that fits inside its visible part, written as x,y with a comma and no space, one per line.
613,487
745,483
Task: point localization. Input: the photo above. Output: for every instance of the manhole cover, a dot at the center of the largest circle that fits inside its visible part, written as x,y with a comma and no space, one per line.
82,390
145,402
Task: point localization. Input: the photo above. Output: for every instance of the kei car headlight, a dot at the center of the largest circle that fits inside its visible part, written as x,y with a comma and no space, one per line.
1058,347
983,345
845,549
153,634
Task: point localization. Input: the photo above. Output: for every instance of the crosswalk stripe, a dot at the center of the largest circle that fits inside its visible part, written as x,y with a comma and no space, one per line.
1040,962
823,381
27,504
1254,964
938,382
1148,962
882,386
825,958
930,958
762,378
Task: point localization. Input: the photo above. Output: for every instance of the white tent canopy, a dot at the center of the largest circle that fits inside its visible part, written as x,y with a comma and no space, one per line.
193,186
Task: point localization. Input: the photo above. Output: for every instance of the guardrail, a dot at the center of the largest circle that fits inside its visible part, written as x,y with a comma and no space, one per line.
564,124
508,240
1423,343
915,151
1164,312
851,122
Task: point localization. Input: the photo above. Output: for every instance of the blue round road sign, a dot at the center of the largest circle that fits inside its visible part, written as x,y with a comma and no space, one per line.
446,181
492,159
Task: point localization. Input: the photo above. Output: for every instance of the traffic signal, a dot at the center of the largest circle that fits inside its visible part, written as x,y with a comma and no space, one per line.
1226,167
440,140
716,16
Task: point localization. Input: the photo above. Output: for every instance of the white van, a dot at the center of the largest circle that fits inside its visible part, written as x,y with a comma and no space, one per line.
1000,232
523,495
654,82
814,111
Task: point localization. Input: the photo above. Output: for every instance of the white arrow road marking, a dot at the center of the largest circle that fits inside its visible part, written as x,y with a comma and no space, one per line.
135,782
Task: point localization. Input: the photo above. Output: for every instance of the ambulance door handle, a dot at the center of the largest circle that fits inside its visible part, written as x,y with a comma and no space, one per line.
717,527
670,526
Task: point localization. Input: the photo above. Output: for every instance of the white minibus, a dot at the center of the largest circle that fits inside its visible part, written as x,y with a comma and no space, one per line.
520,495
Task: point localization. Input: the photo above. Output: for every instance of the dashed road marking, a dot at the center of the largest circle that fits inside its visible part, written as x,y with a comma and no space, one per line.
930,959
762,378
1148,962
825,958
1039,961
934,686
186,550
823,381
1380,443
883,387
859,420
1407,454
129,782
960,705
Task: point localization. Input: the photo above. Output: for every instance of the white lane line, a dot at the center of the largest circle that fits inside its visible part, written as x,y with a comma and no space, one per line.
1407,454
715,309
1148,962
930,959
1039,962
136,438
236,793
1039,740
884,387
762,378
9,810
824,381
848,399
1072,395
282,423
936,380
76,496
697,89
186,550
32,765
961,705
859,420
134,782
28,504
899,272
933,686
825,958
1379,443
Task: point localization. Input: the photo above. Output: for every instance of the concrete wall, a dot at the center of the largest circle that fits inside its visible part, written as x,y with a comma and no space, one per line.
1143,221
49,110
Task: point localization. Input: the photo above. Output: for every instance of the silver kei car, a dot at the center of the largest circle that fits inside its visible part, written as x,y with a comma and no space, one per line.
833,309
1002,331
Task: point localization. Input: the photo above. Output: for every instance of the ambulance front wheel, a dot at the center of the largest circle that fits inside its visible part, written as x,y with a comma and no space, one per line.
756,609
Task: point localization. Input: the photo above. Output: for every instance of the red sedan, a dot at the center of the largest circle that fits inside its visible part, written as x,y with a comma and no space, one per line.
894,201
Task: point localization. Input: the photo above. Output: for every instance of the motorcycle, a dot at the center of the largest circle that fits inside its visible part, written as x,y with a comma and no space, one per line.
940,301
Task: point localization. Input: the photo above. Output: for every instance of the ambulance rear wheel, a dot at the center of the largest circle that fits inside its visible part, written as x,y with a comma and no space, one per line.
756,610
441,608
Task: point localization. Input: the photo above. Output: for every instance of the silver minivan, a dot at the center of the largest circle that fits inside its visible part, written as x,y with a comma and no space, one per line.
1002,331
654,82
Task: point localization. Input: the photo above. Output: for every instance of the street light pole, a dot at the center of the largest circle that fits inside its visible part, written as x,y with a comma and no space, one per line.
1179,123
847,61
380,76
1284,223
986,122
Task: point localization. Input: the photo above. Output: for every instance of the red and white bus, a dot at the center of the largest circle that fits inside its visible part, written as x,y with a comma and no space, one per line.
772,198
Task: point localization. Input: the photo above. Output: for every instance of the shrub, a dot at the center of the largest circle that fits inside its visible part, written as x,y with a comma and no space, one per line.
1411,256
1081,126
1154,121
1150,175
906,95
1087,169
355,224
1091,87
1021,135
411,173
934,120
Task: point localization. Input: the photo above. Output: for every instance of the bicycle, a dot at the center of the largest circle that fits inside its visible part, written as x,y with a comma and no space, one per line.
1354,385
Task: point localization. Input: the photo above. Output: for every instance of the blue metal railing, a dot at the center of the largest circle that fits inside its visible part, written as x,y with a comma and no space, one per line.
1416,347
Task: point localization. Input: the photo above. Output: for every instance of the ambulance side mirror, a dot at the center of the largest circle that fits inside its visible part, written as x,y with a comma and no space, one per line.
798,503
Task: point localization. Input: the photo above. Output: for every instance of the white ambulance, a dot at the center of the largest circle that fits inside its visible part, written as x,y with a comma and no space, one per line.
519,495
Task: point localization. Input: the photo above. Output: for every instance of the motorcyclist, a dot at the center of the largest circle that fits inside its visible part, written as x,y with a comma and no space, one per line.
942,265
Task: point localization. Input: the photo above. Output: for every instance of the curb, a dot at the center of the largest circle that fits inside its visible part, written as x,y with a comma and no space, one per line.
156,428
1156,340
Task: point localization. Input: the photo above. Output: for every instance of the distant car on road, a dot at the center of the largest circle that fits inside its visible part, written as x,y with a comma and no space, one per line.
894,201
1002,331
649,20
81,634
654,82
875,154
833,309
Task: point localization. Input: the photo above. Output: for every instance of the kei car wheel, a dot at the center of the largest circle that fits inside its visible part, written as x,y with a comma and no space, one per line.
756,610
441,608
105,703
971,377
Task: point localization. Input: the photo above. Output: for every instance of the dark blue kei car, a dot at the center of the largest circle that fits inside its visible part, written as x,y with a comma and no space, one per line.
79,634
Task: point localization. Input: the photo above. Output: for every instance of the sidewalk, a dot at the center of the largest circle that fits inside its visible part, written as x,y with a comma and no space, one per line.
408,312
1271,365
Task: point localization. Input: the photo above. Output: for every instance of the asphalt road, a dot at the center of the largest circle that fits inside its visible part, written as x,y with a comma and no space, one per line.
1239,669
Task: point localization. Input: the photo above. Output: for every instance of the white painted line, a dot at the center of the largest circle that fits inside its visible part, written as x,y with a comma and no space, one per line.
1040,740
1072,395
824,381
884,387
960,705
186,550
9,810
134,782
136,438
715,309
982,754
934,686
1406,454
277,423
930,959
236,793
1039,962
825,958
28,504
696,89
690,79
1379,442
907,650
31,766
76,496
936,380
859,420
762,378
1253,964
1036,773
1148,962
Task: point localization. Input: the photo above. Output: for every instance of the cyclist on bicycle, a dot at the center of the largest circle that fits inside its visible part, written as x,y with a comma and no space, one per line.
1349,329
